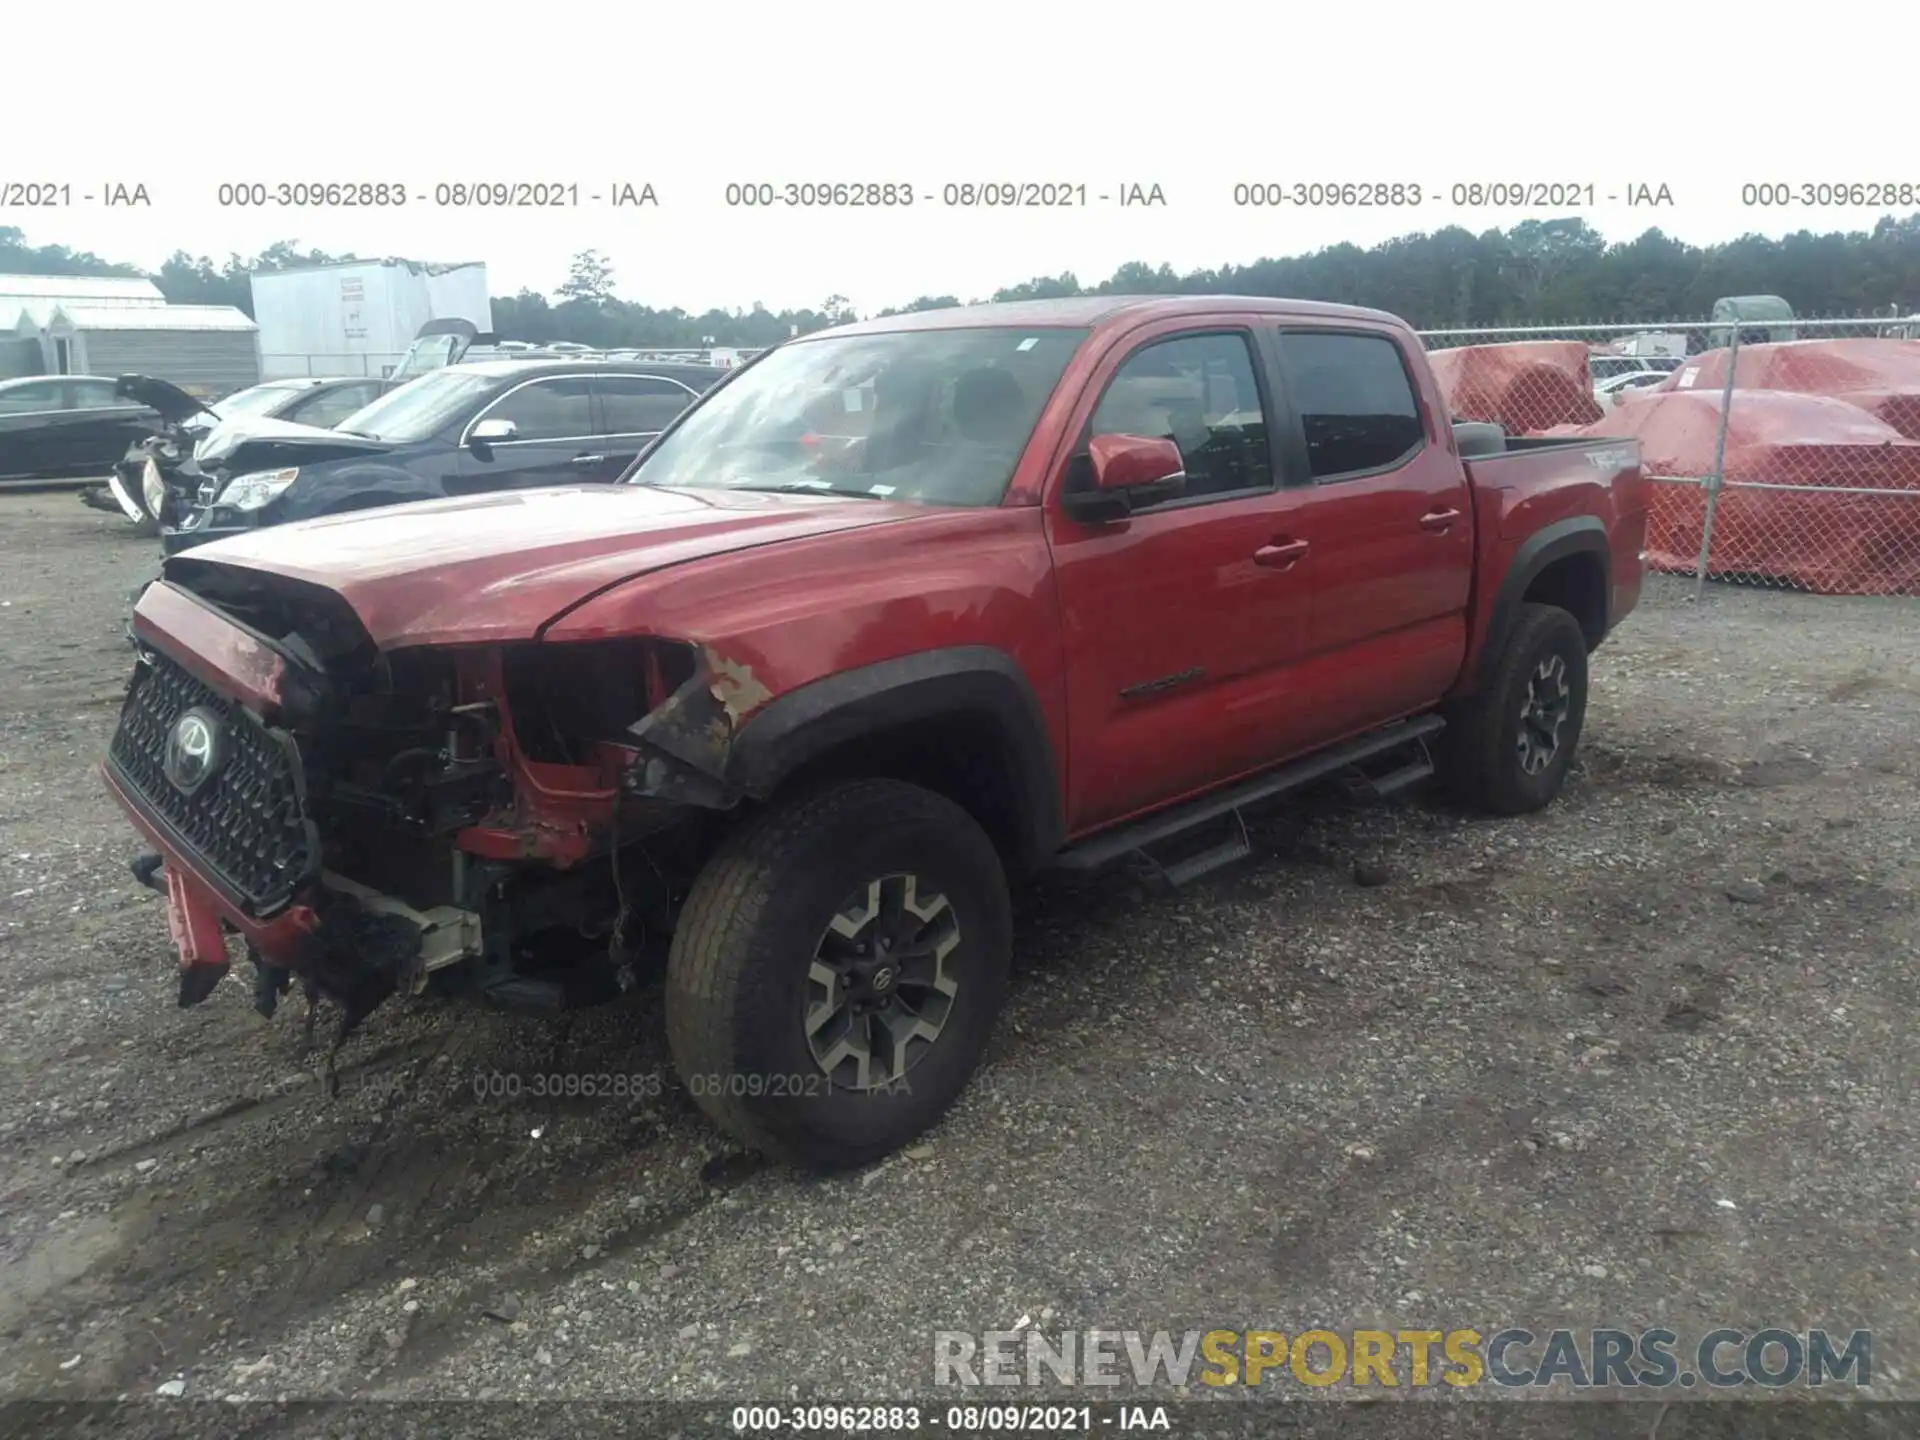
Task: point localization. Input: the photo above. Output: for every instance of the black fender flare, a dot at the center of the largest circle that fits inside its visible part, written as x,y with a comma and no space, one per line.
974,680
1576,535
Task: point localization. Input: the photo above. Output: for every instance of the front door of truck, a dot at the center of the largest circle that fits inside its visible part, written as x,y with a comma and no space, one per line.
1185,622
552,443
1393,532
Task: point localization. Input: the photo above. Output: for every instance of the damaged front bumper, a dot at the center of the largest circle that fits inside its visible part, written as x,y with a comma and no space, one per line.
346,940
219,792
272,780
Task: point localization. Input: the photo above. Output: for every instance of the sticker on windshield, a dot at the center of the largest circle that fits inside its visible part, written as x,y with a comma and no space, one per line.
1027,344
880,489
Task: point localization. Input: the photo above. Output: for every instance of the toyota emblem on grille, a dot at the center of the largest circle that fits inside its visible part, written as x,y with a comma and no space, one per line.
195,748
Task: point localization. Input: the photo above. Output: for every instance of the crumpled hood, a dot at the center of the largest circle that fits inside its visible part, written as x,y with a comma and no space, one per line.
498,567
259,442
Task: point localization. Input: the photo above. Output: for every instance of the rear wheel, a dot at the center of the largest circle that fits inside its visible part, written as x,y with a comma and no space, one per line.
1507,750
836,972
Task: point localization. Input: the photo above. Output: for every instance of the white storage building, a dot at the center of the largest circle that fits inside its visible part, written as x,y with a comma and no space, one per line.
118,325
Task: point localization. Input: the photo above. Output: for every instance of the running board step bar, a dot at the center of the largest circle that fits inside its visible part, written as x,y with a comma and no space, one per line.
1412,770
1412,773
1231,845
1185,872
1103,850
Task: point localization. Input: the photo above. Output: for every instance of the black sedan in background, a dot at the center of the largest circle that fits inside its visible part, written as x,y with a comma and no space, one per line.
493,425
146,485
62,427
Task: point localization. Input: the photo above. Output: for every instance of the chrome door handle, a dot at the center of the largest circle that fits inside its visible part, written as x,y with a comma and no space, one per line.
1441,520
1281,555
588,460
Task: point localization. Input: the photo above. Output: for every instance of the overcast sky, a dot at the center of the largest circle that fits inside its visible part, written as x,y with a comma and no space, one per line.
1193,98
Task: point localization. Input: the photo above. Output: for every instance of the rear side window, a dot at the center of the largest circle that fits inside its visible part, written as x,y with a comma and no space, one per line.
1199,392
29,399
1355,400
639,404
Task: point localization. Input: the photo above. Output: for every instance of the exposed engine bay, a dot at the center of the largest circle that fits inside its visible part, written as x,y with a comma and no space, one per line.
490,819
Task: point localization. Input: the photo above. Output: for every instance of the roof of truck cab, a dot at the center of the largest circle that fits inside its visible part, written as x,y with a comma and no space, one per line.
1085,311
508,368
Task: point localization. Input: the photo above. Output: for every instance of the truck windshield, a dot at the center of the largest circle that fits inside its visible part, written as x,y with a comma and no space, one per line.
427,354
418,408
937,416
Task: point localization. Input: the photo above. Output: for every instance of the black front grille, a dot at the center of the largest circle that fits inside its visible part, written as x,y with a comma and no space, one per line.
246,824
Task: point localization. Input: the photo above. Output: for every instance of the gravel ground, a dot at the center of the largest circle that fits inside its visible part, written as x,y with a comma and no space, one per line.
1641,1059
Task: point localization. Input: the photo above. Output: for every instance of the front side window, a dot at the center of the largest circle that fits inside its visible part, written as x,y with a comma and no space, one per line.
940,417
1355,400
639,404
1199,392
558,409
92,395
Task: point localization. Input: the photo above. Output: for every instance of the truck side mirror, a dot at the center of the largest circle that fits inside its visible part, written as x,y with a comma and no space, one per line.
1121,473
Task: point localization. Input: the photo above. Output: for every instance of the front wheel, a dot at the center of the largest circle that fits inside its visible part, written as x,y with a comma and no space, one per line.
1507,750
836,972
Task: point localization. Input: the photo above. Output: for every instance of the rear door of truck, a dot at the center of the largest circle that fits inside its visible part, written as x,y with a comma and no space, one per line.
1392,529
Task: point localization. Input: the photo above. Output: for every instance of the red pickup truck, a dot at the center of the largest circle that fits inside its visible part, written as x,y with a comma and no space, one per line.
896,614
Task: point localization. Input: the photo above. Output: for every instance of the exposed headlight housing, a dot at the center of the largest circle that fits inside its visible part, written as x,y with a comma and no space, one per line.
262,488
152,488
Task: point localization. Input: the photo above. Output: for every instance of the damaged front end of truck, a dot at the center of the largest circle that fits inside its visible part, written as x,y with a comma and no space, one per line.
512,820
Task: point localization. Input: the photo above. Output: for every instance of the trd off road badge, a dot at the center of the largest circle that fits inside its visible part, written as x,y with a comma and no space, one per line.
195,748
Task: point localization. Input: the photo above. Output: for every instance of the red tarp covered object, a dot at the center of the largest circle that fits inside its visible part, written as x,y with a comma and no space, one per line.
1854,424
1526,387
1807,367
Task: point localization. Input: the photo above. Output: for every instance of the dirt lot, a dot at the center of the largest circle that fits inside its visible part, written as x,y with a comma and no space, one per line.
1644,1058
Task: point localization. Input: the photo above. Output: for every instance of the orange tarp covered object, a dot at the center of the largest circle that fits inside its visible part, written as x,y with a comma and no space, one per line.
1833,543
1882,377
1526,387
1807,367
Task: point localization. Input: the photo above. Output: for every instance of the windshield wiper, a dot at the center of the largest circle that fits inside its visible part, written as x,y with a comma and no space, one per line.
809,487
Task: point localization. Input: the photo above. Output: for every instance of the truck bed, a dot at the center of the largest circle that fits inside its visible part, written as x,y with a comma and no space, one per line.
1542,496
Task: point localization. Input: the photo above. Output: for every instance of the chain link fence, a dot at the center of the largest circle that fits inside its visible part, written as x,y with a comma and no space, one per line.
274,366
1784,452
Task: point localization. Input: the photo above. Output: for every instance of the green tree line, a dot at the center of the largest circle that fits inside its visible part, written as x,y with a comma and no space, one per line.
1538,272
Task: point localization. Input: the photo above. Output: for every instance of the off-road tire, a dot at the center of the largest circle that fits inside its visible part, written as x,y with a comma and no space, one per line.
1480,761
745,941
